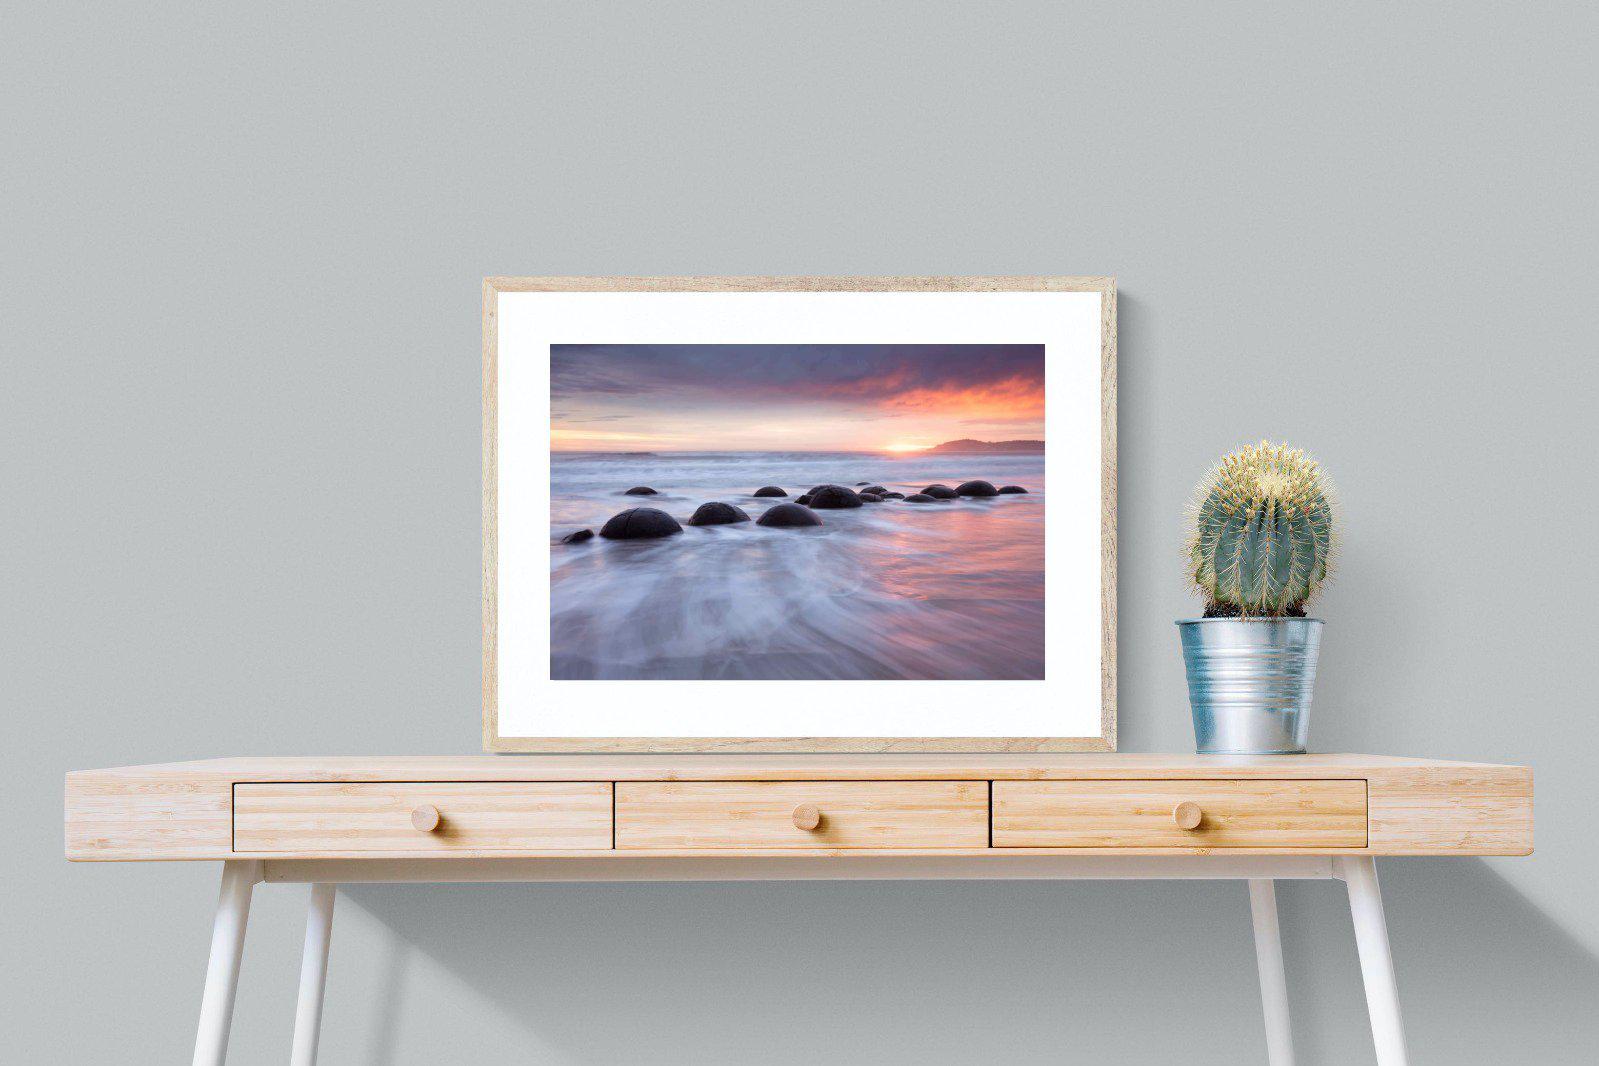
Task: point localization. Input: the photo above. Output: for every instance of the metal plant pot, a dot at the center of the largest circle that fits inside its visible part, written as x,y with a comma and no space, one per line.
1250,682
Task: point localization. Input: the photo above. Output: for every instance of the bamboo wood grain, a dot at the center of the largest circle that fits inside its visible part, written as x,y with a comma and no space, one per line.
1259,813
183,810
1105,286
1417,774
421,818
723,815
1451,808
130,815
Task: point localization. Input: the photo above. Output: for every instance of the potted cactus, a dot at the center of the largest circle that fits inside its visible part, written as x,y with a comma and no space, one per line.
1260,545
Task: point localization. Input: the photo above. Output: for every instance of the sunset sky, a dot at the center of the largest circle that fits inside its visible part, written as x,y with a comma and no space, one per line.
850,397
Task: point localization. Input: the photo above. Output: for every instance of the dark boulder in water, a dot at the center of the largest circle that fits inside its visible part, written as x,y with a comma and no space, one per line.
876,489
940,492
1012,490
920,497
977,488
858,484
640,490
786,515
640,523
834,497
579,537
893,495
770,490
869,497
717,513
805,499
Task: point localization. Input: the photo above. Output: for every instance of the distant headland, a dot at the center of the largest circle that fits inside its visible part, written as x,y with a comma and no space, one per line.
968,446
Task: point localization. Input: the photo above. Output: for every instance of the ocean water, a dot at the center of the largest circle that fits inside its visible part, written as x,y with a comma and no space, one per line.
949,590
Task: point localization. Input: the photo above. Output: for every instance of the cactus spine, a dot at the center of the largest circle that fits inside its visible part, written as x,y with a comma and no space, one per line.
1261,534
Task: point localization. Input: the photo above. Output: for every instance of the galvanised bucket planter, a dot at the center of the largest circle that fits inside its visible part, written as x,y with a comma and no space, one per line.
1250,682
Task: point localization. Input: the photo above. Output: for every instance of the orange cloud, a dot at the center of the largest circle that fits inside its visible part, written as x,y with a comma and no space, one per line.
1011,398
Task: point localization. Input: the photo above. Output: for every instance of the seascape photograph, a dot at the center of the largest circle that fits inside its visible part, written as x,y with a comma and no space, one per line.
797,512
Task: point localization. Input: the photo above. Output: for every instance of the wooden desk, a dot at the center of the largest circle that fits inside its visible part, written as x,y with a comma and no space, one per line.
327,821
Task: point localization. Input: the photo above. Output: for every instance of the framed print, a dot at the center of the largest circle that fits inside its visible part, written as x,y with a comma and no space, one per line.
799,514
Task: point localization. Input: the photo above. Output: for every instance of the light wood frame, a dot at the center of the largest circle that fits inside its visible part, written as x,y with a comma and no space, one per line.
1105,286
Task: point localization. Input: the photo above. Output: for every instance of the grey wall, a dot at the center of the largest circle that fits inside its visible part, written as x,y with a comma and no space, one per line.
240,423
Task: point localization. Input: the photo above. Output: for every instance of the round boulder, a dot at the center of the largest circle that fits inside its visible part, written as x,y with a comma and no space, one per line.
834,497
640,523
869,497
805,499
893,495
919,497
787,515
940,492
717,513
640,490
579,537
1012,490
977,488
770,490
877,490
860,484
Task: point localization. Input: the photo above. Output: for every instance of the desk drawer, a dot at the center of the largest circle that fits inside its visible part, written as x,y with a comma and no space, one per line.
774,814
1146,814
448,817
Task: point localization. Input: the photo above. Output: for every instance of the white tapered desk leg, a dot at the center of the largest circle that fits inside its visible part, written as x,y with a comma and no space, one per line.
1376,960
239,877
1273,981
313,975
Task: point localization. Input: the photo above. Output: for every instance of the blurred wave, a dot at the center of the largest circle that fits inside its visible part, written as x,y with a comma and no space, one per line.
888,591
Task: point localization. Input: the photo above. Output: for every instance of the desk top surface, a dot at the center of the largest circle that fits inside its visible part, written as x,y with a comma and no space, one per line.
775,767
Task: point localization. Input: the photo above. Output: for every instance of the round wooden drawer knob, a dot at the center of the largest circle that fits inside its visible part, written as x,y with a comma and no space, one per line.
425,818
807,816
1187,815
